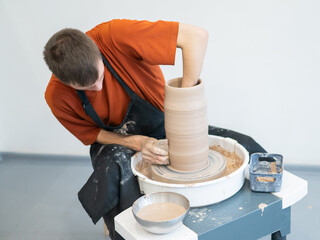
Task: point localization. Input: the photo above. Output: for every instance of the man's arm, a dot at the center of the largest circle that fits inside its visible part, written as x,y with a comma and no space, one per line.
146,145
193,42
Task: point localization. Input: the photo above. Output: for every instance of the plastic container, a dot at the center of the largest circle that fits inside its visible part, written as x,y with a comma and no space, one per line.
266,170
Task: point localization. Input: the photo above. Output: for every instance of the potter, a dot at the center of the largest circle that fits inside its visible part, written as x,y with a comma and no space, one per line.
107,89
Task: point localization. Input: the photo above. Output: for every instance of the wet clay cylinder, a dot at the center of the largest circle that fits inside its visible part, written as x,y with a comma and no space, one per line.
186,126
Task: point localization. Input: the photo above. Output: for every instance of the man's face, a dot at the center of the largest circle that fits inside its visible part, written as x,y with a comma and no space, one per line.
97,86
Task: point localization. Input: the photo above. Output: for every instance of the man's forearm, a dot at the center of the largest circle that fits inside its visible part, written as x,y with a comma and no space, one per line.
150,152
131,141
193,42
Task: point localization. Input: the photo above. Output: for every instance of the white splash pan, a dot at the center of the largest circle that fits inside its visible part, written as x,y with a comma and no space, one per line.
204,193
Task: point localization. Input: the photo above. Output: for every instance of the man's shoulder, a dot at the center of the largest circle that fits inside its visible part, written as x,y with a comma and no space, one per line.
57,93
106,27
122,25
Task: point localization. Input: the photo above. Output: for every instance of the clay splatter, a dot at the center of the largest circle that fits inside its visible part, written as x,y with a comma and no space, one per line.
262,206
198,214
122,157
125,128
101,148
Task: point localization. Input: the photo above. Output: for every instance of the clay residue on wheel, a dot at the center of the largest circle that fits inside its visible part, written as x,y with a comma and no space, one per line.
233,162
144,168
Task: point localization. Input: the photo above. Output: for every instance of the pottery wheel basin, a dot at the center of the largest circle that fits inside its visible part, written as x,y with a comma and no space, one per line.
201,193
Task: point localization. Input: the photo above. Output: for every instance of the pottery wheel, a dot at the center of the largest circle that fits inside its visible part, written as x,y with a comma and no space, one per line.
215,168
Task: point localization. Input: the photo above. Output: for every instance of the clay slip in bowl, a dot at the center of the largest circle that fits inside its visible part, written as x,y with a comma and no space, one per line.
160,227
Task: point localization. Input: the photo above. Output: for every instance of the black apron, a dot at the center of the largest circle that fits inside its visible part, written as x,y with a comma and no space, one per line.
112,187
142,118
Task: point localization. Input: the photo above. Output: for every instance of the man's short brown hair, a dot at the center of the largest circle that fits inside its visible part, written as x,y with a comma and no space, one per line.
72,56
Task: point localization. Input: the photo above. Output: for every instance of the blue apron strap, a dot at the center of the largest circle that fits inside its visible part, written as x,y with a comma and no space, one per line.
90,111
129,91
87,105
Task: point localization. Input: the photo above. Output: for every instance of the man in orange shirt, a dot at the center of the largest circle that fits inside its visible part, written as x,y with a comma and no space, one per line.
107,89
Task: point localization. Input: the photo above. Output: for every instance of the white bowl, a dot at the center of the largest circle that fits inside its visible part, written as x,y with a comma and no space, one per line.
160,227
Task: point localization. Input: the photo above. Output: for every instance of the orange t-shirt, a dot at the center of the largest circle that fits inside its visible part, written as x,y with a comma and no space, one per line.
134,49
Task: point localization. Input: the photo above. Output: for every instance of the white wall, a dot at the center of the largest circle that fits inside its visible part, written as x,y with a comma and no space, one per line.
261,69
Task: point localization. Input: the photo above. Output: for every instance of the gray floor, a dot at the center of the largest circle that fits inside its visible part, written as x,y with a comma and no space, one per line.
38,200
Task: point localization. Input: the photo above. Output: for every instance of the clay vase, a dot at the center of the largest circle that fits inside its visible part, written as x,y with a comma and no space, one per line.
185,114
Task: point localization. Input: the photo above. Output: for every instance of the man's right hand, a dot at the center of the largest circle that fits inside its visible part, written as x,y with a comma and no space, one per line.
152,152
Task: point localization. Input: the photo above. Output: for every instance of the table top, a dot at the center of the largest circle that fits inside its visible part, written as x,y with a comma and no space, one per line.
205,219
260,212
